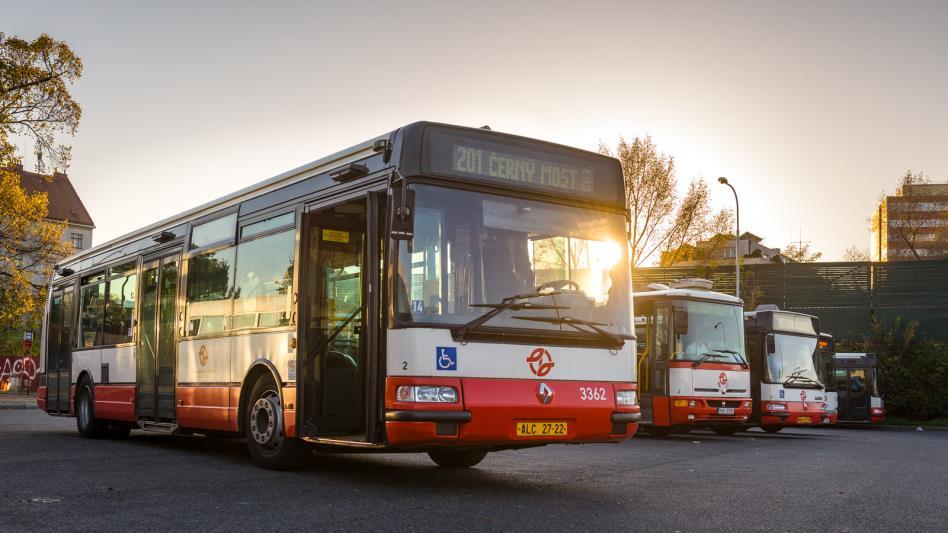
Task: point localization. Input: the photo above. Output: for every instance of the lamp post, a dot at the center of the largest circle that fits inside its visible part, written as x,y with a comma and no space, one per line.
737,239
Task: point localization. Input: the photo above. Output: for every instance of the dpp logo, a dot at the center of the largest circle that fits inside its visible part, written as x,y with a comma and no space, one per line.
541,362
446,358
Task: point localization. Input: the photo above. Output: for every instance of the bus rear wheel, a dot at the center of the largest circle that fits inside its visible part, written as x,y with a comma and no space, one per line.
267,442
87,424
771,429
457,458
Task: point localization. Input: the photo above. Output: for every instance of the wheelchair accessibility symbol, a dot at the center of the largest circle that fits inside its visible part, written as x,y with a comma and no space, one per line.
446,358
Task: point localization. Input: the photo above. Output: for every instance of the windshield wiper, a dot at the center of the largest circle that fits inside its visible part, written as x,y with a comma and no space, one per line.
743,362
794,377
583,326
510,303
704,357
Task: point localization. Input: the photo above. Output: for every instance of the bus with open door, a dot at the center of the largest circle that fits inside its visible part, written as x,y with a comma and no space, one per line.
435,289
783,349
825,369
691,365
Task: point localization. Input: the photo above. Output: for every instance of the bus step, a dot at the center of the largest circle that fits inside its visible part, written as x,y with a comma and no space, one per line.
157,427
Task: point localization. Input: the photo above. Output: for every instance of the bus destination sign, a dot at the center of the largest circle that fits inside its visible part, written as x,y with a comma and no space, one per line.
547,174
535,167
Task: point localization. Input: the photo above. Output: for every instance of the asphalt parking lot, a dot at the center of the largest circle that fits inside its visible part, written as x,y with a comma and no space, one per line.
800,480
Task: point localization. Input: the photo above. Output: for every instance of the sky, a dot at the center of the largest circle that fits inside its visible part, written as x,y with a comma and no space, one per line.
811,109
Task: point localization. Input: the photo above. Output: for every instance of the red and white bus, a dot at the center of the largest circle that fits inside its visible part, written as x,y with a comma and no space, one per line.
783,348
691,365
436,289
857,382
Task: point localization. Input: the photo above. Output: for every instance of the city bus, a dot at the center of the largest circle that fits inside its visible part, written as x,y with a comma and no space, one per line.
857,381
436,289
825,369
782,347
691,366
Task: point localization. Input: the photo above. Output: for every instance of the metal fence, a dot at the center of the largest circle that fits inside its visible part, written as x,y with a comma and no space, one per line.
843,295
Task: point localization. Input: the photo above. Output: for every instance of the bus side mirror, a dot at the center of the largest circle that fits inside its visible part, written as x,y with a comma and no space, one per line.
403,213
681,321
771,344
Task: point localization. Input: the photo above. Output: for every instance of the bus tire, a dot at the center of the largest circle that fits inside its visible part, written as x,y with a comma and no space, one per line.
771,429
457,458
87,424
267,443
725,431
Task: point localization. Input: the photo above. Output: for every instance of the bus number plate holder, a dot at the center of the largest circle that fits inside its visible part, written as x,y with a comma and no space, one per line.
725,410
530,428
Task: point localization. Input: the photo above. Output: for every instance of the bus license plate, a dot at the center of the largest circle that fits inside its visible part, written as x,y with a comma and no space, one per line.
542,429
804,420
725,410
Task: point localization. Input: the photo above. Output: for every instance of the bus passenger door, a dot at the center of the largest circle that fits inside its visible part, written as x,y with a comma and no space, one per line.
59,351
336,293
658,366
156,347
858,395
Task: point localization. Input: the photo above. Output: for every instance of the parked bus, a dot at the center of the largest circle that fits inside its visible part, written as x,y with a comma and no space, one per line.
782,347
825,367
436,289
691,365
857,381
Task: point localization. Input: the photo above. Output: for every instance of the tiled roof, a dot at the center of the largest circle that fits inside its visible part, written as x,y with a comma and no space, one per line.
64,202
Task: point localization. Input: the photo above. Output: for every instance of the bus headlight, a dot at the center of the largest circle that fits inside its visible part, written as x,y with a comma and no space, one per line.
747,404
426,394
626,398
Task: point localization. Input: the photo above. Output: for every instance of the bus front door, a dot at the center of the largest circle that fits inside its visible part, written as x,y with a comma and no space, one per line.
658,367
59,351
858,395
338,281
156,346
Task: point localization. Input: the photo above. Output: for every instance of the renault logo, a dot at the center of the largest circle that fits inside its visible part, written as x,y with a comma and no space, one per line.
544,393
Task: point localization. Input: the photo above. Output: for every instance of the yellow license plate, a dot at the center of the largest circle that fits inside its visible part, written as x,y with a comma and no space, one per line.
804,420
542,429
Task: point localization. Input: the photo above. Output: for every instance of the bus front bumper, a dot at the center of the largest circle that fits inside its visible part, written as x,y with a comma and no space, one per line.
509,413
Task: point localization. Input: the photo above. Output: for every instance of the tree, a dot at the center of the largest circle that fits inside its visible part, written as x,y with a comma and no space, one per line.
35,103
801,253
659,220
855,253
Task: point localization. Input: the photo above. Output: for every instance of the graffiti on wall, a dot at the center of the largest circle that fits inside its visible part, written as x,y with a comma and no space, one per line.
17,372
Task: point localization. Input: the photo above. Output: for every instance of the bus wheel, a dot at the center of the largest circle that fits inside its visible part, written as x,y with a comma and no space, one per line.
725,430
88,425
771,429
263,427
457,458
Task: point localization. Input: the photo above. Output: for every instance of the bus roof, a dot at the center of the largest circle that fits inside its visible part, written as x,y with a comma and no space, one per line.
690,294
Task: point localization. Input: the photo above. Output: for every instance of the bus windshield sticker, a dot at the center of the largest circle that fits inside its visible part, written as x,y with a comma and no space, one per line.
331,235
446,358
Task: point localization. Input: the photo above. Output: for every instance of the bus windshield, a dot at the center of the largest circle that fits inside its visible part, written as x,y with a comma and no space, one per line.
474,248
715,333
793,359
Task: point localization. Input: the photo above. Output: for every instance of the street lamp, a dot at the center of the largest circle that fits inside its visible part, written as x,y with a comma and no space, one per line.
737,239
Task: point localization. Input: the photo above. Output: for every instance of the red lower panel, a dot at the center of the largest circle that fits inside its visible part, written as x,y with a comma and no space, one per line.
795,410
497,405
703,413
115,402
41,397
661,411
205,408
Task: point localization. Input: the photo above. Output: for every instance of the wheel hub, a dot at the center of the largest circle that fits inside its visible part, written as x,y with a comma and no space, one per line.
266,424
